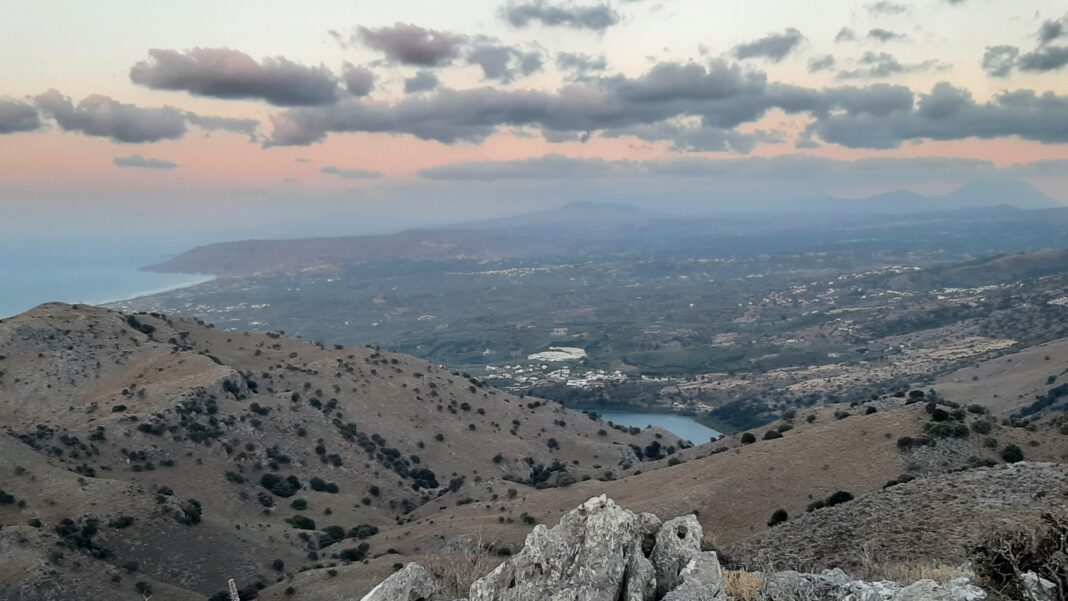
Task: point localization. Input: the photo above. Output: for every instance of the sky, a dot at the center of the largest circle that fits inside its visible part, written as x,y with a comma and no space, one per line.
252,117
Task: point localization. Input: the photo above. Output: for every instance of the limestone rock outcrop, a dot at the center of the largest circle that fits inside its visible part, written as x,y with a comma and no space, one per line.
602,552
593,554
410,583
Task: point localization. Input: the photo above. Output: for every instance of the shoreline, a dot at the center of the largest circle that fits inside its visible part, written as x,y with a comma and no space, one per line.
199,279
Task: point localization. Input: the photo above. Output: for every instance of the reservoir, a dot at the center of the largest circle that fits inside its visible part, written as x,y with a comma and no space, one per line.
683,426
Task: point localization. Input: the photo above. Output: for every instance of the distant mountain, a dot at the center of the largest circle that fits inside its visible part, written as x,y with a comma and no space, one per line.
538,233
583,214
973,195
251,257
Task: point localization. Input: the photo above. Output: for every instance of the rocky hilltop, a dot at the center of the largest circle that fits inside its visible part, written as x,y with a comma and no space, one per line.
602,552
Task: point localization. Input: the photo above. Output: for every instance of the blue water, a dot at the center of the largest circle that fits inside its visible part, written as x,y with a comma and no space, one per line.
82,271
683,426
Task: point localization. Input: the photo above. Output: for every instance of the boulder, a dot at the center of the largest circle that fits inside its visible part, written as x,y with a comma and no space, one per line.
836,584
1038,587
700,580
677,542
410,583
593,554
958,589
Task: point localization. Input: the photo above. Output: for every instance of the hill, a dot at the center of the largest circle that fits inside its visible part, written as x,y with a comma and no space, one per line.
1029,383
250,257
939,518
201,455
141,450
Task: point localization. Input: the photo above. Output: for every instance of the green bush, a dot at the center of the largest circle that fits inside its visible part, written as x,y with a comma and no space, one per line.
279,486
838,498
1012,454
778,517
301,522
748,438
357,553
981,427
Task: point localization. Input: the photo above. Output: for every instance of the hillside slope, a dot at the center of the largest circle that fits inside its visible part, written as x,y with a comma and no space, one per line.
197,442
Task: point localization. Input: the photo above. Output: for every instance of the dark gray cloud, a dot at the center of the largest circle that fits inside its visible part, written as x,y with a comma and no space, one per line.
1050,31
350,173
503,63
950,113
877,65
885,35
821,63
230,74
692,107
423,81
721,95
1044,58
18,116
140,162
998,61
581,64
885,7
106,117
359,81
774,47
102,116
598,17
413,45
845,34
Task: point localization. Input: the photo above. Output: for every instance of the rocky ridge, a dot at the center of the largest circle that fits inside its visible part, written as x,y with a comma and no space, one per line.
602,552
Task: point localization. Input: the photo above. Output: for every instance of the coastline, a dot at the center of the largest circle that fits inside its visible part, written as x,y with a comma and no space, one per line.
194,280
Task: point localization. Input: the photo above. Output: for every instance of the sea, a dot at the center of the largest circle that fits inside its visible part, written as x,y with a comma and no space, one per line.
84,271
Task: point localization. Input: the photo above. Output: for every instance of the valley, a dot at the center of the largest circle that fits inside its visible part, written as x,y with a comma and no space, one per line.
668,316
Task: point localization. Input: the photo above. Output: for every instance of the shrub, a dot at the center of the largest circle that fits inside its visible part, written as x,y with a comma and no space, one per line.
748,438
319,485
299,504
357,553
946,429
1001,560
839,497
981,427
279,486
1012,454
778,517
772,434
301,522
190,513
363,531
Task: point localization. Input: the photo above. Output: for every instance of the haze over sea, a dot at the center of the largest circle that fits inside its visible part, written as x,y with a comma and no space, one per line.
34,271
